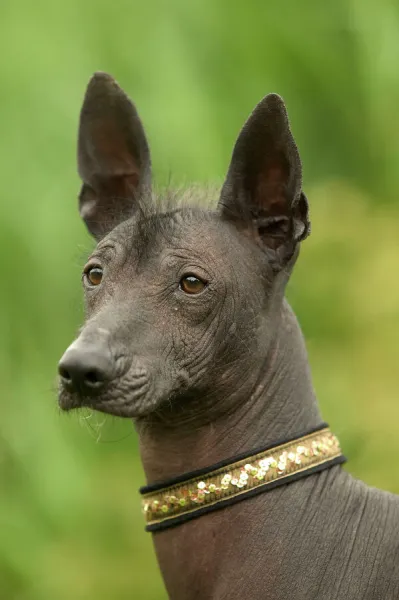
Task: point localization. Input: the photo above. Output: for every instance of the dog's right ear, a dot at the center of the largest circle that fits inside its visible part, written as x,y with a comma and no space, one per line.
113,156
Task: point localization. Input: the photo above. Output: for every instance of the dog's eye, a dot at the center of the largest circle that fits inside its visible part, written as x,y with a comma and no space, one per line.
191,284
94,275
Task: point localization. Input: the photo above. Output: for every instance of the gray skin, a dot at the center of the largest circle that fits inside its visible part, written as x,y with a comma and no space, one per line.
188,333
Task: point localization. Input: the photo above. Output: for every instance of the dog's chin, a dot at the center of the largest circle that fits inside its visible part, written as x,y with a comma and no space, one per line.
137,406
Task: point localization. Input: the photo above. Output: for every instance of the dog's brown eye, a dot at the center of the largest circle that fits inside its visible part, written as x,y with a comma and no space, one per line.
191,284
94,275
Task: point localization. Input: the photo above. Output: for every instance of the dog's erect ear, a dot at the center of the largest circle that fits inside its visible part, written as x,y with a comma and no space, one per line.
113,156
264,181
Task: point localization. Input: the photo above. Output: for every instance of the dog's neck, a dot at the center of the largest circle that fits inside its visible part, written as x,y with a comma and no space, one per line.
282,405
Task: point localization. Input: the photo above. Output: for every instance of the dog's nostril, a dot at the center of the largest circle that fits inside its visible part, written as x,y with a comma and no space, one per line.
93,377
64,373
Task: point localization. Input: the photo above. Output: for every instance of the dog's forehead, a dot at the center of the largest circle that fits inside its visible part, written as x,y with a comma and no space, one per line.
150,232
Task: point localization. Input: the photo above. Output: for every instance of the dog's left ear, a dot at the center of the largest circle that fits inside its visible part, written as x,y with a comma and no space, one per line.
264,180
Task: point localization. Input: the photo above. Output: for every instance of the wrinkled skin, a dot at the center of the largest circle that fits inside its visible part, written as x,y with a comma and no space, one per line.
187,332
170,346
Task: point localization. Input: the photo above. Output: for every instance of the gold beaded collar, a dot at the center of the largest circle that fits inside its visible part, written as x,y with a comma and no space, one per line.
193,494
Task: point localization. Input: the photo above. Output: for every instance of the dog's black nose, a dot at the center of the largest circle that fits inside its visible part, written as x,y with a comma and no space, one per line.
85,369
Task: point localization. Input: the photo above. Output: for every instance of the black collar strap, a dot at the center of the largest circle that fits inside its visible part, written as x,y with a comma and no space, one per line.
187,497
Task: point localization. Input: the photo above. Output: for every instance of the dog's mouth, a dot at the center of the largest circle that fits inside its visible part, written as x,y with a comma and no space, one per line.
130,397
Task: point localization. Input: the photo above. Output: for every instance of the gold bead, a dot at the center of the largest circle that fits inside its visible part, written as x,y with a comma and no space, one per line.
226,479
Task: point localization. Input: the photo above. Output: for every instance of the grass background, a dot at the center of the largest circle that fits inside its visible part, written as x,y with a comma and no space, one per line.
70,520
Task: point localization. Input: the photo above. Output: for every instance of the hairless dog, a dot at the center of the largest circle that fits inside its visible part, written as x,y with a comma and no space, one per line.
188,333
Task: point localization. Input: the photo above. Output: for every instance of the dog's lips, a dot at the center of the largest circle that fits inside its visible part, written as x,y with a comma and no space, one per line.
68,401
137,403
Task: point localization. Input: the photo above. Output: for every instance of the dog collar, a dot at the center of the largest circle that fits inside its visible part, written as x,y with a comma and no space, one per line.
193,494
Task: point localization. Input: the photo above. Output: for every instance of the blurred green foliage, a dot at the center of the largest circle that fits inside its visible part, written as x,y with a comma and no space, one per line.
69,510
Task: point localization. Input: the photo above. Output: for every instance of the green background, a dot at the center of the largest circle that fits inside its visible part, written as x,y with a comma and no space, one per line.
70,522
